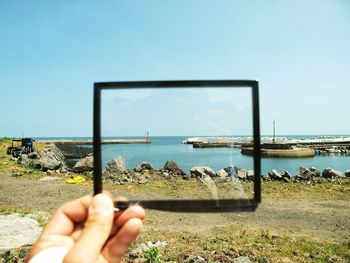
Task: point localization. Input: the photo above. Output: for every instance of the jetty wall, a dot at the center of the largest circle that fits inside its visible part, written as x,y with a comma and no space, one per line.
286,153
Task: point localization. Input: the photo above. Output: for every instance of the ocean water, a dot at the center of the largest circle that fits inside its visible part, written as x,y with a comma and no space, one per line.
171,148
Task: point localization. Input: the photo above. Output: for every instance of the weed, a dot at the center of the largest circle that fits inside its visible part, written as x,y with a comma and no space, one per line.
152,255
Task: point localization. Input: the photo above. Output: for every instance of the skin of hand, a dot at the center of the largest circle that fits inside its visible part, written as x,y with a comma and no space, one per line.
91,231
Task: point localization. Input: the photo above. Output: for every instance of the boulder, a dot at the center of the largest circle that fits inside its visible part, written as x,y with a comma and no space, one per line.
202,171
315,172
286,176
116,165
240,173
36,164
331,173
221,173
347,173
33,155
303,174
230,171
144,166
47,163
23,159
275,175
84,164
171,166
51,158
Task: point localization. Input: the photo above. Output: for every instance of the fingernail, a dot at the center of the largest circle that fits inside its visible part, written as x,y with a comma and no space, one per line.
101,204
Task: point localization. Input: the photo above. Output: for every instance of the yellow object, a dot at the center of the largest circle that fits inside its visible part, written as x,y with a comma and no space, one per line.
76,180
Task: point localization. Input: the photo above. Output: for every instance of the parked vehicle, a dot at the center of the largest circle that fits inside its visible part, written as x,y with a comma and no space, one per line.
21,146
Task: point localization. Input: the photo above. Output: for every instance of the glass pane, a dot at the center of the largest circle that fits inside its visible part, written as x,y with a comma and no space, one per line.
178,143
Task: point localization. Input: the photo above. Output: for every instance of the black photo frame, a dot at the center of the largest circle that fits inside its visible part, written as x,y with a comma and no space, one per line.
182,205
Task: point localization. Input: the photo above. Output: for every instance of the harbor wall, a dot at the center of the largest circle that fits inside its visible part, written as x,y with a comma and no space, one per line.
284,153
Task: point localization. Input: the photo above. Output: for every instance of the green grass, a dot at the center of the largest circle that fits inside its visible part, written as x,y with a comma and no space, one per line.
229,243
152,255
9,166
327,190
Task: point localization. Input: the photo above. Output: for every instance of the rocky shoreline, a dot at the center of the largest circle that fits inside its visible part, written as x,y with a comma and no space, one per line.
57,158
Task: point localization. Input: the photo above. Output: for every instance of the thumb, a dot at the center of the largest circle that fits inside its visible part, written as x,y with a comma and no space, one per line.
96,231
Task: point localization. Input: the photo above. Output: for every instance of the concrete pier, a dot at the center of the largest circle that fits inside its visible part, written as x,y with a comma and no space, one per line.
112,141
283,153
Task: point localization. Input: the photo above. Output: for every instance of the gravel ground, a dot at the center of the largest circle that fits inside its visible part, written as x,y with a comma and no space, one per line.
319,219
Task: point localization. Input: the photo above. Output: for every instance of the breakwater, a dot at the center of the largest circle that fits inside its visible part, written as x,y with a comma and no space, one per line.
86,141
278,147
282,153
165,148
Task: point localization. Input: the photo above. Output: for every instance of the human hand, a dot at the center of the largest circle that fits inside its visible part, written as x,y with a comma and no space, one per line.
89,230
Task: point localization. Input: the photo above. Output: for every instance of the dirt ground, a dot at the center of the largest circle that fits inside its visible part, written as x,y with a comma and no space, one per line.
324,220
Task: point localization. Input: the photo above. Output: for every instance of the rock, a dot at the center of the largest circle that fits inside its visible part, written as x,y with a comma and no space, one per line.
195,259
17,230
221,173
202,171
138,169
116,165
144,166
250,175
240,173
49,172
84,164
23,159
286,176
331,173
16,174
275,175
230,171
139,250
51,158
47,163
347,173
171,166
303,174
33,155
286,179
315,172
241,260
63,170
265,178
36,164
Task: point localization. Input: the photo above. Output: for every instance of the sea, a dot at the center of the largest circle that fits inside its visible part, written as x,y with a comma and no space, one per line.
165,148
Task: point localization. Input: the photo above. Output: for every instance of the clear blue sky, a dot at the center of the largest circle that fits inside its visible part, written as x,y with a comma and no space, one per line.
177,112
51,52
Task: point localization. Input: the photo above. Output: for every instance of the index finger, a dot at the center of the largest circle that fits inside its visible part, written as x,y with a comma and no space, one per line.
70,213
